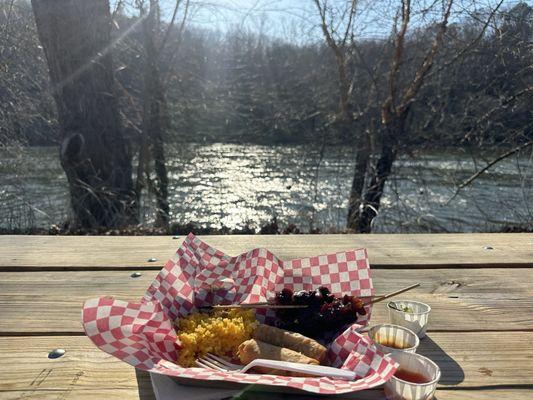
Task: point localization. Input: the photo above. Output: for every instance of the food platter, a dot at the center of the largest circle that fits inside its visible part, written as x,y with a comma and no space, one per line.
144,334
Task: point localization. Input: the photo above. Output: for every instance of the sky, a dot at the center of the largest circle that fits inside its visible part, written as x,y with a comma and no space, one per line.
292,20
297,20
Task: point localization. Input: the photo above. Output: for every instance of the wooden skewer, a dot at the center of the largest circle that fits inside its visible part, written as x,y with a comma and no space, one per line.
265,304
253,305
394,293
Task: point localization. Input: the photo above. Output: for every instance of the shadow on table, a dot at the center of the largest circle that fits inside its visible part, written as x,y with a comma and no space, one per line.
228,391
451,371
144,384
452,374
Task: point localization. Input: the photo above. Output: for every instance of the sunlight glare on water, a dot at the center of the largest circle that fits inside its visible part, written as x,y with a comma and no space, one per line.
235,186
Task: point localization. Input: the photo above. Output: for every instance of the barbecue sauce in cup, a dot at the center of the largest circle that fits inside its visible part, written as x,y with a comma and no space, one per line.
409,376
392,344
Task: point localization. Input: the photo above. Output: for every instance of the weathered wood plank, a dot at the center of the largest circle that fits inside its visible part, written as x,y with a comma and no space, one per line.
27,373
462,299
386,251
500,394
377,394
487,359
475,365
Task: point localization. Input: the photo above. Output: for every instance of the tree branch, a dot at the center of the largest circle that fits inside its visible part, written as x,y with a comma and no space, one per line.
417,81
503,105
475,41
353,8
397,59
340,58
170,26
180,39
489,165
327,34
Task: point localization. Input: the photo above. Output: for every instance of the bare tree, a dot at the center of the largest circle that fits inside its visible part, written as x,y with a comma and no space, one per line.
394,113
350,90
369,178
337,26
155,116
156,121
339,39
75,35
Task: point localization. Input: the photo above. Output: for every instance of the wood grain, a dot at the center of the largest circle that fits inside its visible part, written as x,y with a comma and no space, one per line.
480,327
83,371
461,299
375,394
385,251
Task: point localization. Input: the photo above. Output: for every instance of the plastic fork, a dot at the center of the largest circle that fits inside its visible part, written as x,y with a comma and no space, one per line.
217,363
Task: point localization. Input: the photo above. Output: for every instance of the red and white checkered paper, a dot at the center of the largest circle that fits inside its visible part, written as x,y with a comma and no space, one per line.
142,334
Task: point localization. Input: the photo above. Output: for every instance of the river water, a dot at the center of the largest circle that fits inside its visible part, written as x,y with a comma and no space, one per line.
247,185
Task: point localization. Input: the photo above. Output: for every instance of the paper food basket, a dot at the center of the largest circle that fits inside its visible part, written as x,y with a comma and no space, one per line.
142,334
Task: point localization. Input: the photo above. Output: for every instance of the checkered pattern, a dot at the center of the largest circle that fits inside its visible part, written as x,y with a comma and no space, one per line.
139,334
142,334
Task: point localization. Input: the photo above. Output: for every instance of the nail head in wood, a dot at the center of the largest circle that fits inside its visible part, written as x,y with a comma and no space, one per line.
56,353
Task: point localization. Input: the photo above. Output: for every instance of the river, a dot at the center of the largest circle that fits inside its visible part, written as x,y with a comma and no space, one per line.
247,185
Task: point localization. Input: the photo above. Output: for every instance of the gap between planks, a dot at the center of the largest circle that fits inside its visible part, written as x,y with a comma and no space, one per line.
80,333
33,268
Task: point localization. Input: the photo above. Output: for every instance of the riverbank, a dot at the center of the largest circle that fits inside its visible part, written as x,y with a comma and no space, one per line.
184,229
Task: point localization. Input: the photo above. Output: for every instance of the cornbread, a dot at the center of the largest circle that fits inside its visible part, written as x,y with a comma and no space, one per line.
219,332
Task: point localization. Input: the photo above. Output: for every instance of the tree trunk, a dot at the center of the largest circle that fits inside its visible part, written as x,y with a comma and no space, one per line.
75,35
393,119
362,159
372,196
155,116
371,199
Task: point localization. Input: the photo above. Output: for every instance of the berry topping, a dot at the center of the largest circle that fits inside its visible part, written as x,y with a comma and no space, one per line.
324,312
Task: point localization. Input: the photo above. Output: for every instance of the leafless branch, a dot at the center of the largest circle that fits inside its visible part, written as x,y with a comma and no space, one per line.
489,165
325,30
180,40
475,41
397,60
503,104
351,16
340,56
118,6
170,26
422,71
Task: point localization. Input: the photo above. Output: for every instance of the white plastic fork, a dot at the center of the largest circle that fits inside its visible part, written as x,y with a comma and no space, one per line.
220,364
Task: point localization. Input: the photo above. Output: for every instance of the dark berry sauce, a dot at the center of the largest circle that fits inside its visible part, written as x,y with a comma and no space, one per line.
324,313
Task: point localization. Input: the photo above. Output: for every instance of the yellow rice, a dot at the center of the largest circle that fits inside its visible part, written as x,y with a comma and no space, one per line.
219,332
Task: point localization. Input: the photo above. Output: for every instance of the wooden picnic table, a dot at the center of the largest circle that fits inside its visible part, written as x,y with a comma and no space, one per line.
478,285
